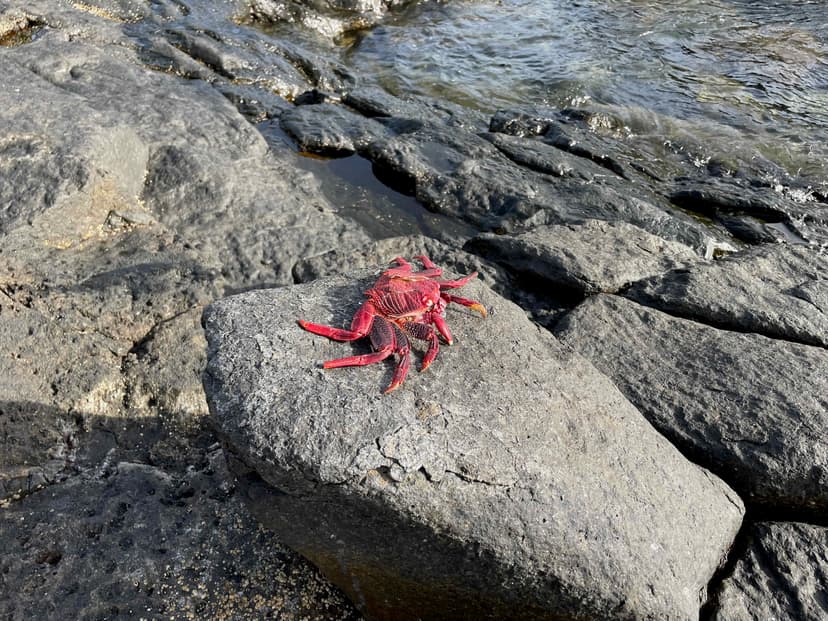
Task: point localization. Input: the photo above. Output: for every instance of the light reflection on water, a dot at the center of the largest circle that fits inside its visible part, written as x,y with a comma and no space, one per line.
725,72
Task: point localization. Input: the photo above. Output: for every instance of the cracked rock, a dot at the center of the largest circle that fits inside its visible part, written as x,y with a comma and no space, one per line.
754,410
778,290
589,257
509,481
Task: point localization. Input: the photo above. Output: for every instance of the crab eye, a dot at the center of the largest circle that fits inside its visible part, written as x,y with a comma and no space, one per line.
427,302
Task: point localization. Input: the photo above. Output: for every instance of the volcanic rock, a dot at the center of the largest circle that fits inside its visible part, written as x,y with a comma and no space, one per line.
591,257
780,575
754,410
510,480
777,290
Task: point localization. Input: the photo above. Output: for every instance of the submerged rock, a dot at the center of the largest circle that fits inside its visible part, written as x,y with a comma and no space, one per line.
754,410
779,290
510,480
780,575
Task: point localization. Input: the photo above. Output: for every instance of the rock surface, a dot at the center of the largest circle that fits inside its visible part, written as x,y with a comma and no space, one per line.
149,165
778,290
754,410
130,196
544,497
590,257
116,546
781,575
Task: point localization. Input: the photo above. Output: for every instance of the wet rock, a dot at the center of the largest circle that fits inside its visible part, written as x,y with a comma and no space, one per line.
544,158
781,575
255,104
570,131
119,546
329,18
401,112
591,257
806,217
753,410
465,176
330,129
526,484
777,290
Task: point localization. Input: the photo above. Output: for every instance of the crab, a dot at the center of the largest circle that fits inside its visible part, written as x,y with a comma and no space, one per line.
402,304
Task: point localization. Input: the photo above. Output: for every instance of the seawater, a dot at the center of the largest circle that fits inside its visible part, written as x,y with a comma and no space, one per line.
737,79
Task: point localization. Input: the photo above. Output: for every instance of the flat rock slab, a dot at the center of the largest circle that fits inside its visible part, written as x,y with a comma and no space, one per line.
781,575
509,481
777,290
752,409
589,257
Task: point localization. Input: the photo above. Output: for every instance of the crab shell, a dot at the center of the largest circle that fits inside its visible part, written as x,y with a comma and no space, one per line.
402,304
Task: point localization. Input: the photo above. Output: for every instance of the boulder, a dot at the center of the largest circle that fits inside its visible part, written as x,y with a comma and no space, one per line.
509,480
464,175
589,257
754,410
777,290
779,575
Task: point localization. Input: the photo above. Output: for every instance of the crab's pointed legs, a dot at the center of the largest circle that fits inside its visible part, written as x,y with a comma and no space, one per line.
442,328
386,340
454,284
360,326
475,306
431,270
425,332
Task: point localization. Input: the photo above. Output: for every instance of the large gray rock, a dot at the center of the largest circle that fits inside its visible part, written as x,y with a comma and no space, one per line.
589,257
752,409
134,541
780,575
510,480
777,290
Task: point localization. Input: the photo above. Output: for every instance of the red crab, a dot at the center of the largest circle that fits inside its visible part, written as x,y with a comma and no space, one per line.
401,304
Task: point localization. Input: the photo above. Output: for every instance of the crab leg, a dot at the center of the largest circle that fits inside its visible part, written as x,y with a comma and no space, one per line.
360,325
475,306
442,328
424,332
386,340
431,270
454,284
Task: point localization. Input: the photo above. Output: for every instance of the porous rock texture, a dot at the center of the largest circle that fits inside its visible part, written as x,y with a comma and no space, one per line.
149,165
750,408
509,480
115,544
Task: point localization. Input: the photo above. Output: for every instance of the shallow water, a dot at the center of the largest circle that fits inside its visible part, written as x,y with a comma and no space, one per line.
747,80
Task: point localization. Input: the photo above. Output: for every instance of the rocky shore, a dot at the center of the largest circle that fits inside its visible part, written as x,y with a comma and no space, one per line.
637,429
